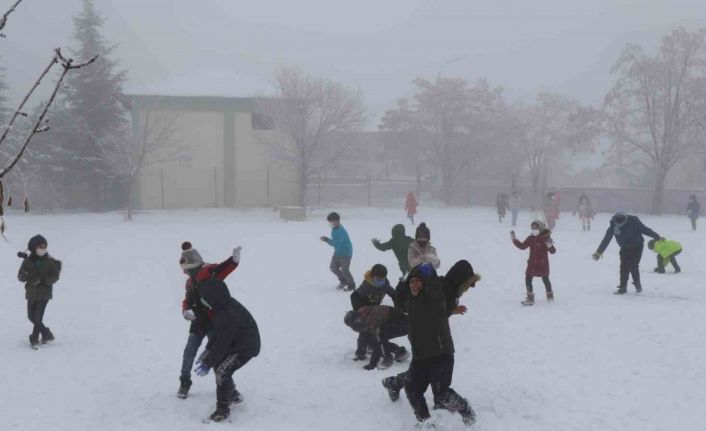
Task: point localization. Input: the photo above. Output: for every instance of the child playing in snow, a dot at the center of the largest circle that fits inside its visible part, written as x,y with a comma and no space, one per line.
585,212
39,272
540,244
236,340
410,206
380,323
193,310
371,292
421,251
342,252
399,244
667,251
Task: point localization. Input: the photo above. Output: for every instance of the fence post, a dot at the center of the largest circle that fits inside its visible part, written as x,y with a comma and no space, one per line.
161,174
319,193
215,184
269,201
370,191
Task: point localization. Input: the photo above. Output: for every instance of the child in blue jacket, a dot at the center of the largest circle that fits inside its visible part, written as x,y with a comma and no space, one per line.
342,252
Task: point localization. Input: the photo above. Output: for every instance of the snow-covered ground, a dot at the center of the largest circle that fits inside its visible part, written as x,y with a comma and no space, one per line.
590,361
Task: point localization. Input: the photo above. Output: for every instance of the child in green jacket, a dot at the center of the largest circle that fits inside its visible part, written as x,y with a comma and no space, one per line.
399,244
667,250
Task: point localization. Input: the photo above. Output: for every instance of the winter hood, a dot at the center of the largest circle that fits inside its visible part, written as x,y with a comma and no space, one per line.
398,231
461,275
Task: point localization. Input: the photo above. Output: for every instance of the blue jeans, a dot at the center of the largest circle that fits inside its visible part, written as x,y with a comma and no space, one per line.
190,350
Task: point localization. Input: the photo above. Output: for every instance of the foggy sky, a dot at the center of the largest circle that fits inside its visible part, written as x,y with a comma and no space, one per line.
377,46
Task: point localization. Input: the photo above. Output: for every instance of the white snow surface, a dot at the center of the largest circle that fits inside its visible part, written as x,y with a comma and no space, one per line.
589,361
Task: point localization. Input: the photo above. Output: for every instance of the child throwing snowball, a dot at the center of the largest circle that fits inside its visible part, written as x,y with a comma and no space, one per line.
540,244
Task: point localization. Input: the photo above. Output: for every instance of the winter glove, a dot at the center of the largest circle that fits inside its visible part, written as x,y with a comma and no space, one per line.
189,315
369,367
375,241
427,269
201,369
597,255
236,254
202,356
324,239
512,235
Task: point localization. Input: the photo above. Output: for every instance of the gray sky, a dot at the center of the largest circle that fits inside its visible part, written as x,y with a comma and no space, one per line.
231,47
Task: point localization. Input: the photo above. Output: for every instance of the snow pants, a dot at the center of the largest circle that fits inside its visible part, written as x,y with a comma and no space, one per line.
630,265
340,266
225,386
35,314
437,372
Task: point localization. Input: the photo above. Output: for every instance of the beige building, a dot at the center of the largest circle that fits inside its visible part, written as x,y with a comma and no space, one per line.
224,155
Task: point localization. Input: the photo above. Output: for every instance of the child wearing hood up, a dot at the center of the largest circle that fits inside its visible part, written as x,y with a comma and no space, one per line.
541,245
399,244
39,272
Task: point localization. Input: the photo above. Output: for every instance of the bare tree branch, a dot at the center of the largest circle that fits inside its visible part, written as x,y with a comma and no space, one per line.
3,20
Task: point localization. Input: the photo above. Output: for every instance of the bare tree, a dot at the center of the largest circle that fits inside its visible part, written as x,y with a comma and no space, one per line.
310,113
128,156
552,125
40,123
656,106
455,119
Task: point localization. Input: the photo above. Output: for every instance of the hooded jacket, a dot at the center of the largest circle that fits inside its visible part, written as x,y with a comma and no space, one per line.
429,331
538,262
628,235
368,294
666,248
399,244
458,278
235,330
693,209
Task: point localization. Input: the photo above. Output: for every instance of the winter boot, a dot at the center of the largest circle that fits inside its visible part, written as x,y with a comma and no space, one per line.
235,397
638,287
360,356
34,341
659,270
529,300
393,387
468,416
221,413
402,355
47,336
550,296
184,387
621,291
386,363
341,285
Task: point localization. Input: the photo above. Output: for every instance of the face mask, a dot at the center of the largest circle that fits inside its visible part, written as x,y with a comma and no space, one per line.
620,220
332,225
41,252
378,282
535,232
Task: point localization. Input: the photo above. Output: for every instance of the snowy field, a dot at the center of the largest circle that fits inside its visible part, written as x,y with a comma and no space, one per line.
590,361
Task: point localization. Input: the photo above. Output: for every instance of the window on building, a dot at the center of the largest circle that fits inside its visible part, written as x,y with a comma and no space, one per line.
262,122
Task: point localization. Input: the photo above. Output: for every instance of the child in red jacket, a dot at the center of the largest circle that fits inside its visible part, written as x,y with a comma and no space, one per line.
540,244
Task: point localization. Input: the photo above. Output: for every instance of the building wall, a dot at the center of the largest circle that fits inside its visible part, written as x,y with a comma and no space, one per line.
228,166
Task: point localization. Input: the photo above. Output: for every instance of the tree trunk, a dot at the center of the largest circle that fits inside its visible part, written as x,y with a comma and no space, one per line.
658,193
129,199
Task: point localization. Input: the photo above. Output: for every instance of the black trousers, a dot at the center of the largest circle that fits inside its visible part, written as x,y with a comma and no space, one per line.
436,372
693,223
545,280
35,314
224,377
630,265
672,260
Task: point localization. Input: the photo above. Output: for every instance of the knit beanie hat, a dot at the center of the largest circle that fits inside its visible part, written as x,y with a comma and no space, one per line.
379,270
190,257
422,232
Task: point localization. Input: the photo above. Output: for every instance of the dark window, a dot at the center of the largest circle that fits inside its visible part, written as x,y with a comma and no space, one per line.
262,122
